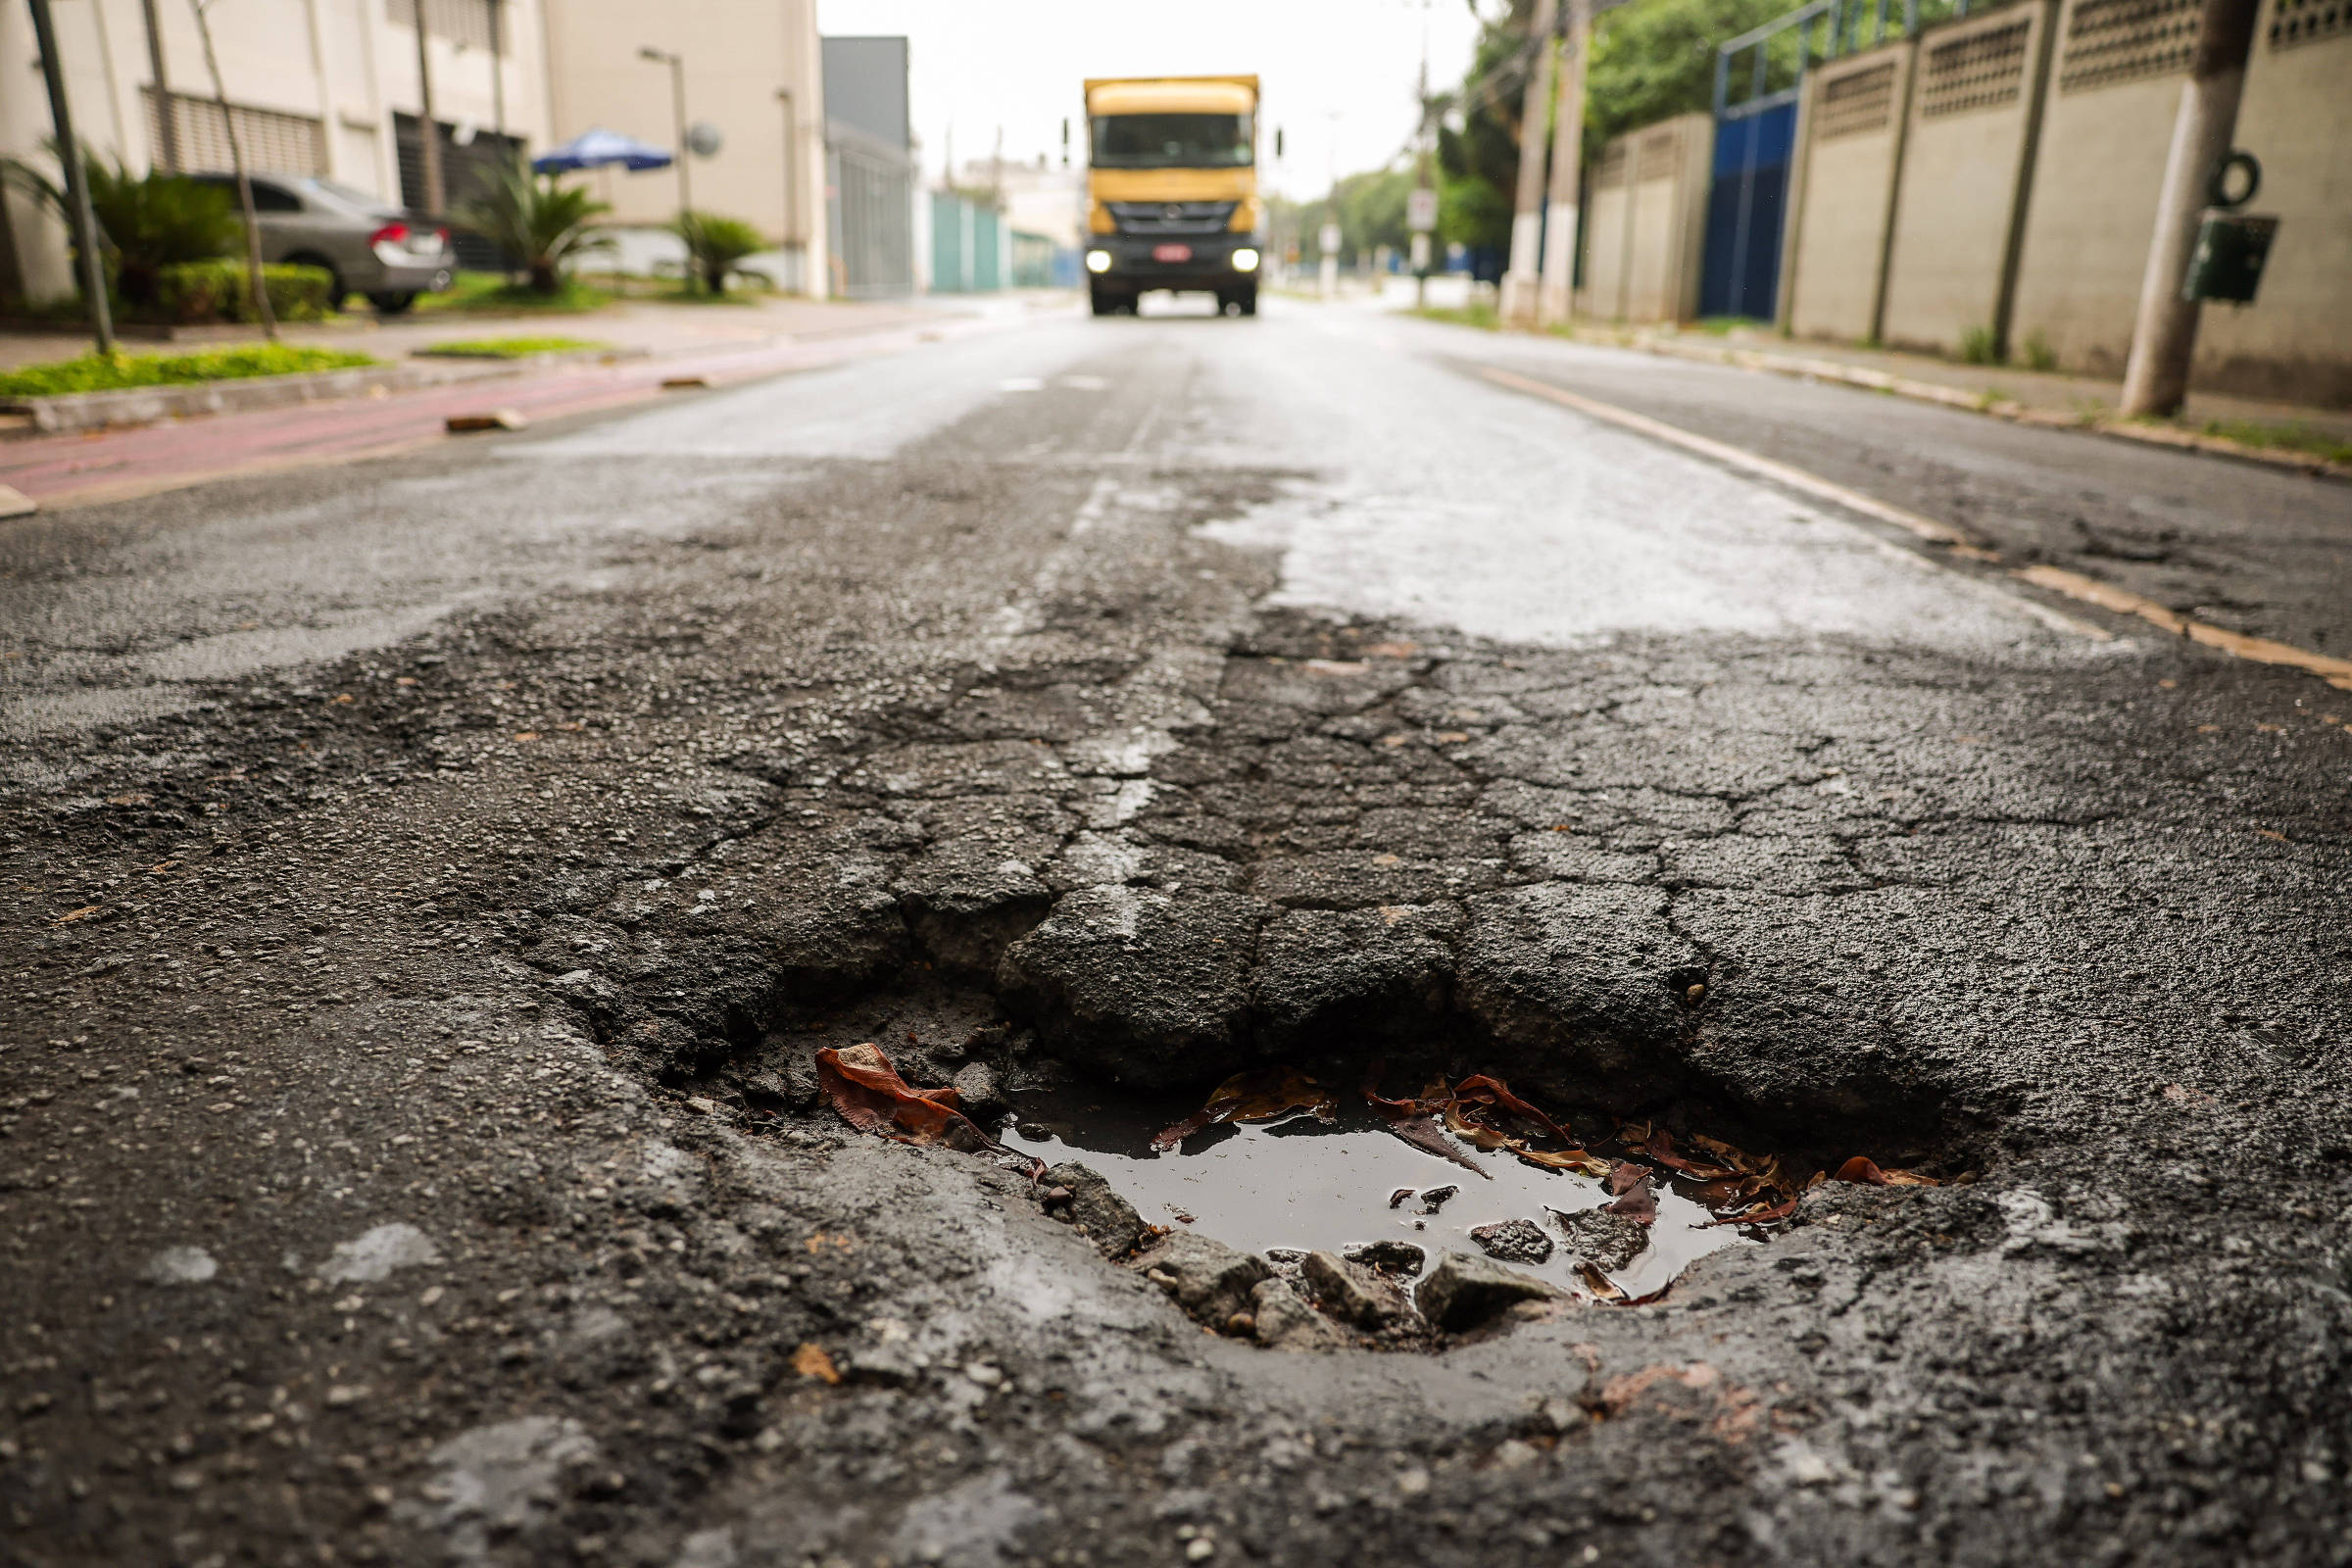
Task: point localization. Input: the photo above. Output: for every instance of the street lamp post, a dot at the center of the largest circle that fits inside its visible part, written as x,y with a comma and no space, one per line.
677,98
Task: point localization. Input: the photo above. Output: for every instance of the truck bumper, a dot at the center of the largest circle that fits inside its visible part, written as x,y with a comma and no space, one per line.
1133,263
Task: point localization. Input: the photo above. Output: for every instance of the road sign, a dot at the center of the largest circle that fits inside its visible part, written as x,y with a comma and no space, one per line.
1421,211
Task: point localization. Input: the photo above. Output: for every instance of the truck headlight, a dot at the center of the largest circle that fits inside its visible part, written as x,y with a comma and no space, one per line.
1097,260
1244,260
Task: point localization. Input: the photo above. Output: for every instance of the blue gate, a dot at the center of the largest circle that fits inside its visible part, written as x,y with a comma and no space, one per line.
1745,205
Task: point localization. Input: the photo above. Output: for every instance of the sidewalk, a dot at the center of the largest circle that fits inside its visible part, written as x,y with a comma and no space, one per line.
655,326
2313,438
685,349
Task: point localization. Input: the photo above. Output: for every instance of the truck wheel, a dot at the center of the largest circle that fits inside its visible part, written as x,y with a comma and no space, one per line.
1248,300
1099,301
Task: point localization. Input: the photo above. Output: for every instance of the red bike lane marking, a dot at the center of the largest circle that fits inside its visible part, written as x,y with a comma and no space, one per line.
121,464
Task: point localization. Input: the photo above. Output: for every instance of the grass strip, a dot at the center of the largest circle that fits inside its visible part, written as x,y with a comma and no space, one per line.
93,372
508,348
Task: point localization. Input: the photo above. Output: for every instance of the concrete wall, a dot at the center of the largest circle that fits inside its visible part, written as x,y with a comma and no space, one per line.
1844,192
1646,226
1964,143
737,58
345,66
2107,130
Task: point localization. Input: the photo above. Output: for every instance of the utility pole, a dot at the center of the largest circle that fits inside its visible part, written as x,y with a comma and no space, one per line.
428,129
1520,284
1561,213
677,104
77,186
1424,195
1327,273
2164,338
167,122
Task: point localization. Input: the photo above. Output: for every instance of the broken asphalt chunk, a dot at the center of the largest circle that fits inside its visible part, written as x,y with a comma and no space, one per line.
1354,1294
1206,1278
1462,1292
1513,1241
1601,1238
1282,1321
1105,1218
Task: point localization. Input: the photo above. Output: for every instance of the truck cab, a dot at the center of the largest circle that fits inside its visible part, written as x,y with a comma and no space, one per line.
1172,199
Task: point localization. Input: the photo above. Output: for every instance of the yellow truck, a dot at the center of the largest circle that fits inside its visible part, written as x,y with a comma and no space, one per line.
1172,190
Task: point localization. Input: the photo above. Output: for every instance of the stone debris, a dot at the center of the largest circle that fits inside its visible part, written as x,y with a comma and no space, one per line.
1609,1242
1386,1255
1515,1241
1354,1294
1434,1198
1283,1320
181,1265
1462,1292
1206,1278
1109,1220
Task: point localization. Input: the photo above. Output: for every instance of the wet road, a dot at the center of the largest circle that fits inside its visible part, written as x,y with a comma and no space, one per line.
432,878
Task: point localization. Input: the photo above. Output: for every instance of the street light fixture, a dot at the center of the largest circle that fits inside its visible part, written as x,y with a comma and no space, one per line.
677,98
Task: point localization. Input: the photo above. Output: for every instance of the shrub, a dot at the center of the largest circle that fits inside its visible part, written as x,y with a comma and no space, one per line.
2040,355
216,291
716,246
146,223
537,221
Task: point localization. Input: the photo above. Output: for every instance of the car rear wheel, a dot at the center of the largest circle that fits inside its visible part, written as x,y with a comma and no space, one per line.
392,304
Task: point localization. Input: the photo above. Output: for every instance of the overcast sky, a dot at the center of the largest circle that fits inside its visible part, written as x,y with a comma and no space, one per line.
980,63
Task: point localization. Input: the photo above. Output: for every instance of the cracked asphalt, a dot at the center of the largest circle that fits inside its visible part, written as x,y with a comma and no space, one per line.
429,882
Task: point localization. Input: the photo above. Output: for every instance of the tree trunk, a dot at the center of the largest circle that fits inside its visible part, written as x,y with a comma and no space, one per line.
543,277
236,158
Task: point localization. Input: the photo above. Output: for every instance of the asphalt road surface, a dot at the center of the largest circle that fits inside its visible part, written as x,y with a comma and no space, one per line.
429,882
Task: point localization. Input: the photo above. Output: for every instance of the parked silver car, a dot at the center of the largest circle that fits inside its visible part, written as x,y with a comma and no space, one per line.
371,248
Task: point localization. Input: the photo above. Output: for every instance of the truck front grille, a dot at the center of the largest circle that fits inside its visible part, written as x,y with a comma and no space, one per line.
1171,218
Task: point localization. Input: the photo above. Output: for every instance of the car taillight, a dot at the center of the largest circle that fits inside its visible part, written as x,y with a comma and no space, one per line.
443,235
390,234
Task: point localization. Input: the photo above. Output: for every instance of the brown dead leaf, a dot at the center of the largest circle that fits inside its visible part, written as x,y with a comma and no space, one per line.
812,1362
872,1098
1660,1146
1259,1096
82,913
1637,1203
1481,1090
1863,1173
1423,1134
1624,1173
1581,1161
1599,1284
1761,1214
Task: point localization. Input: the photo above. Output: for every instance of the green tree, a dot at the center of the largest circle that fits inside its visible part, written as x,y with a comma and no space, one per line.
537,220
1371,207
715,245
1478,134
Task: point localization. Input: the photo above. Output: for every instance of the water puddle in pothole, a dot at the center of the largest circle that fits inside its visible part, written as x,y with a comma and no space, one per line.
1301,1182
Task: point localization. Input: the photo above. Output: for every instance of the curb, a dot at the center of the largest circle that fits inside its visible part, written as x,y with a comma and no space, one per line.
79,413
2015,413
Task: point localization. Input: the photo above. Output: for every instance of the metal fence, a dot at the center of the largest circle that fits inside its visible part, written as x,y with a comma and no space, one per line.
870,214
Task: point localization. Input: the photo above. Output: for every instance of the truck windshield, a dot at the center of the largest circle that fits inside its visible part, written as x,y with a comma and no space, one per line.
1173,141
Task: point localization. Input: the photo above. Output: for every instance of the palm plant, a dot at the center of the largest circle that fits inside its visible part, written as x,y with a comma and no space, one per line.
716,246
536,221
146,223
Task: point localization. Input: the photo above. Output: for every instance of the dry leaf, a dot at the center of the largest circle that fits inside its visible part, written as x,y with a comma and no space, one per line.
872,1098
1638,1203
1481,1090
812,1362
1863,1173
1258,1096
1761,1214
1660,1146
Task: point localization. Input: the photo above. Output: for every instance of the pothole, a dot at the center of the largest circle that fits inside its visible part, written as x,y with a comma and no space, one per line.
1316,1204
1298,1183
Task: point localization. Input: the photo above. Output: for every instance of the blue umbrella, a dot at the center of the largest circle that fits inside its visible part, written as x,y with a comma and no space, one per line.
598,148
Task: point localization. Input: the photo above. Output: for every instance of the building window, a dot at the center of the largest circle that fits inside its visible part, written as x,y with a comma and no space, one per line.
466,23
274,142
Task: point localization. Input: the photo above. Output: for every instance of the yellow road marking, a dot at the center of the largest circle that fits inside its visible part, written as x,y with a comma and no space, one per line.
2336,672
